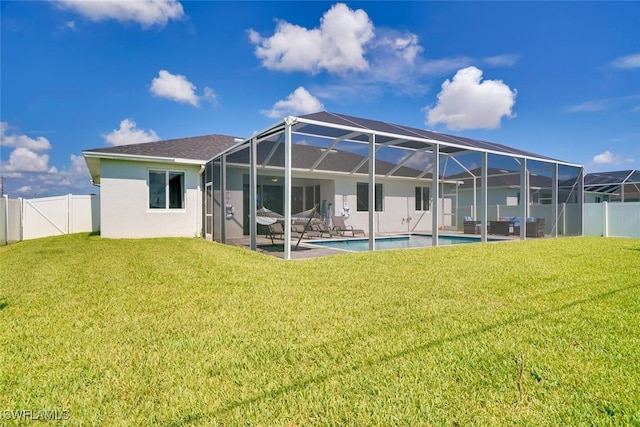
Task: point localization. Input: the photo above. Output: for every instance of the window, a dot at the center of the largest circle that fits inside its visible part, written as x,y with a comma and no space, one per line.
362,193
311,196
166,189
422,198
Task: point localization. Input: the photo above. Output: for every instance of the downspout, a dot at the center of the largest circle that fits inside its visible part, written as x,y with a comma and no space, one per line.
201,197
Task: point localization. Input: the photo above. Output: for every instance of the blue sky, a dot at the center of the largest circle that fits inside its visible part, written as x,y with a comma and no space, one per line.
559,79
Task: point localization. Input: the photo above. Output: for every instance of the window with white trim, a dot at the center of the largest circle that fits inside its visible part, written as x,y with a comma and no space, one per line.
422,198
166,189
362,196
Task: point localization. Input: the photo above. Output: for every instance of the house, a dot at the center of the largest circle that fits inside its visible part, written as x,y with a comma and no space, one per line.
381,177
614,186
153,189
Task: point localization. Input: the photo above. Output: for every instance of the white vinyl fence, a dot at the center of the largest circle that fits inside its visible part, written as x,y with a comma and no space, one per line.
568,216
612,219
600,219
24,219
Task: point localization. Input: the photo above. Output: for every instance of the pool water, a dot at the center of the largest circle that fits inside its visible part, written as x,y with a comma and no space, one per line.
397,242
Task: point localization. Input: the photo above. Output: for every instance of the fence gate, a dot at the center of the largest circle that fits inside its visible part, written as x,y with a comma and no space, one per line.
47,216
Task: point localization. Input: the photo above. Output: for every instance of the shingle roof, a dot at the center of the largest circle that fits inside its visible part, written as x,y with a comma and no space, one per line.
195,148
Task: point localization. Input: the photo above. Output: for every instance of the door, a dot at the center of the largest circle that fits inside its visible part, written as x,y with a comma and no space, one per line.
297,199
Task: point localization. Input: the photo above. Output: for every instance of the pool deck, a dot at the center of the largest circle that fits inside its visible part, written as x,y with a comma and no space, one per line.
307,249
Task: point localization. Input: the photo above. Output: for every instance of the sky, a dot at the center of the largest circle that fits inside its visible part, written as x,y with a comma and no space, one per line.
560,79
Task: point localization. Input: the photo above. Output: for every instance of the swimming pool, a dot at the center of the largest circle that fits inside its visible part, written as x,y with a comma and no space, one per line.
396,242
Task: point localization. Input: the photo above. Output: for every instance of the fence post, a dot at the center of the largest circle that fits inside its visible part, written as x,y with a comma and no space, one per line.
605,219
21,228
5,224
69,213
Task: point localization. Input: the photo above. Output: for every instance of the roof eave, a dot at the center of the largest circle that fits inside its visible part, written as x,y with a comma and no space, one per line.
93,159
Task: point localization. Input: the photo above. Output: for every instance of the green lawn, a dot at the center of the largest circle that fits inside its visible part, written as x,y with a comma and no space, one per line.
188,332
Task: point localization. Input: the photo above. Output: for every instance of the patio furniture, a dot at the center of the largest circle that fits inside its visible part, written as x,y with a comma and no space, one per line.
535,228
324,229
306,218
301,231
269,218
340,227
502,227
276,229
471,226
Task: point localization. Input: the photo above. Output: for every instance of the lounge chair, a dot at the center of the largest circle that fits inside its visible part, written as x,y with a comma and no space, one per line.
471,226
301,231
340,227
276,229
297,230
324,230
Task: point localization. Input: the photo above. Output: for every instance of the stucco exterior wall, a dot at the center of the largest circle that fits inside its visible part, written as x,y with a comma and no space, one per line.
124,204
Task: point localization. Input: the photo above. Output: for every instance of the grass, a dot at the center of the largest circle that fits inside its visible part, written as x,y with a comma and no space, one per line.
188,332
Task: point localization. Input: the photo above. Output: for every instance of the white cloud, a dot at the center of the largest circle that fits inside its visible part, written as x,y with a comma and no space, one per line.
337,46
25,189
467,102
27,171
603,158
69,25
441,66
24,157
627,62
53,182
38,144
298,102
210,95
607,158
437,67
606,104
404,47
78,165
369,60
25,160
506,60
408,47
175,87
590,106
128,133
147,13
